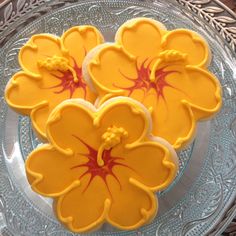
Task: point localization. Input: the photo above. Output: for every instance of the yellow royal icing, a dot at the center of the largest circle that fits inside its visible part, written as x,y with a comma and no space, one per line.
101,165
52,73
165,70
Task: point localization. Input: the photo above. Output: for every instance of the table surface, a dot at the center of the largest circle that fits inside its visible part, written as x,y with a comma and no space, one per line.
231,230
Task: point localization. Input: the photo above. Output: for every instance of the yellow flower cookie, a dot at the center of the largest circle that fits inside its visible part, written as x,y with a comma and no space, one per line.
102,165
165,70
51,73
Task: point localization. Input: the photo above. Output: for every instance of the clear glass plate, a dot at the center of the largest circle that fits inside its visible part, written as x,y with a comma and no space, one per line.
205,185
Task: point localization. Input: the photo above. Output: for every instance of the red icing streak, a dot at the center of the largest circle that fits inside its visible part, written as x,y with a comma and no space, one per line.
93,169
144,83
66,81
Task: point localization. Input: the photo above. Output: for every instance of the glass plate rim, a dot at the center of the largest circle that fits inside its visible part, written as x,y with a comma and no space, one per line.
232,209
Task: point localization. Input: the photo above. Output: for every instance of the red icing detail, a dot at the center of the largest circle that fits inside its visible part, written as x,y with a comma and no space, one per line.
144,83
66,81
102,171
161,82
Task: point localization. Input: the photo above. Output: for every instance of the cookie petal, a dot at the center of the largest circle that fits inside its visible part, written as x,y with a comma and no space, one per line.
70,127
84,208
49,171
39,47
174,122
18,91
159,168
79,40
190,43
141,37
126,113
184,94
111,79
133,205
204,92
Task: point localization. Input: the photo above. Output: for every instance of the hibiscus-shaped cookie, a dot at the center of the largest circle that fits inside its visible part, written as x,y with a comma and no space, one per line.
102,165
51,73
165,70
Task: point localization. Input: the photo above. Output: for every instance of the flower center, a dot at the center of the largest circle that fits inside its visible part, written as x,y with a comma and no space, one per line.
55,63
70,78
155,78
168,56
93,169
110,138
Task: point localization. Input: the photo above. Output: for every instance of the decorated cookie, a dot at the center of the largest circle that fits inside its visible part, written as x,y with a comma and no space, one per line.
102,165
165,70
51,73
